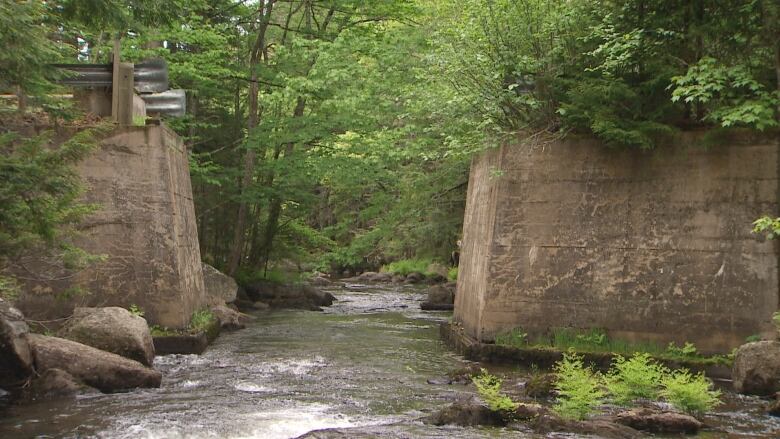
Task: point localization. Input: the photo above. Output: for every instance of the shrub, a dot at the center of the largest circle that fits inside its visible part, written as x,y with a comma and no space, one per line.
489,388
689,393
635,378
579,388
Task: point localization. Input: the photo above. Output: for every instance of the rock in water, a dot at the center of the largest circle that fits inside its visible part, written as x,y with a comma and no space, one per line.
55,383
112,329
440,297
16,361
229,319
99,369
466,413
220,288
658,422
756,369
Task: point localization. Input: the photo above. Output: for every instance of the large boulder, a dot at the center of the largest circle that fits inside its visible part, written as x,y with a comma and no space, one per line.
220,288
301,296
658,422
16,362
102,370
112,329
756,369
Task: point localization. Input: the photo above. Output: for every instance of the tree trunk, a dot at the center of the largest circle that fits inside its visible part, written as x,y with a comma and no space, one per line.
236,252
275,210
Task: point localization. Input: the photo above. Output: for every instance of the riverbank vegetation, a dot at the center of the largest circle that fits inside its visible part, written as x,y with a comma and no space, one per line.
580,391
336,135
597,341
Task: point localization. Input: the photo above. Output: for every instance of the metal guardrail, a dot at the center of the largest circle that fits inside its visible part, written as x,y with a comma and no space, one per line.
171,102
150,81
148,76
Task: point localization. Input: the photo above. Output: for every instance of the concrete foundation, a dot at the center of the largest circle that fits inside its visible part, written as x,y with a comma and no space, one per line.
145,227
648,245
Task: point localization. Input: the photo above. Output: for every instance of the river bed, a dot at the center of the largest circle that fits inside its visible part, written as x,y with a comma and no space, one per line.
360,366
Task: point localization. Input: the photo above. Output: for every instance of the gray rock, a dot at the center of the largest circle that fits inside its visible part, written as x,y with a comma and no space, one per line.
220,288
774,406
16,361
415,277
756,369
440,297
441,294
548,422
658,422
466,413
319,281
102,370
112,329
55,383
229,319
289,295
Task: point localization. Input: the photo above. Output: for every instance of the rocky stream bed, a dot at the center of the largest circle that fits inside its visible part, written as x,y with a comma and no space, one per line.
359,369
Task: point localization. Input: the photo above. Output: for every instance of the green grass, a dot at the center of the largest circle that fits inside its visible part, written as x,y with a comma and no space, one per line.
596,341
201,320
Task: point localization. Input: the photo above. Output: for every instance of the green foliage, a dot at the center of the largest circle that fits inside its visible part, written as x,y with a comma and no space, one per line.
39,191
161,331
406,266
767,225
136,310
689,393
579,388
201,321
752,338
688,350
635,378
489,388
452,274
735,95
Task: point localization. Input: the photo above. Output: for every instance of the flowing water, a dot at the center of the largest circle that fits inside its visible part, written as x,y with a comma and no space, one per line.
361,366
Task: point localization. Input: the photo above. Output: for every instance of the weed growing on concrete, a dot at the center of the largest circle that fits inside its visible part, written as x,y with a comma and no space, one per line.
516,337
579,388
689,393
638,377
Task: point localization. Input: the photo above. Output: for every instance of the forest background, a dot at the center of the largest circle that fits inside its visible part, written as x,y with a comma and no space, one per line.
336,135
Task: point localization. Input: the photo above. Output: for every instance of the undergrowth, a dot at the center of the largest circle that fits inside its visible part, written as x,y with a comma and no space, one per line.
489,388
579,388
406,266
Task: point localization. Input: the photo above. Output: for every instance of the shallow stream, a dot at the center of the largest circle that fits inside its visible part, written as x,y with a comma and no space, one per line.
361,366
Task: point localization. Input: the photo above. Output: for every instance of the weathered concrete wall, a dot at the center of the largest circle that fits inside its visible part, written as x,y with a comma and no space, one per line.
145,226
648,245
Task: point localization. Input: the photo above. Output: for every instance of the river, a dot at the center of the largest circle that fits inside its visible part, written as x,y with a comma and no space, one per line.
360,366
